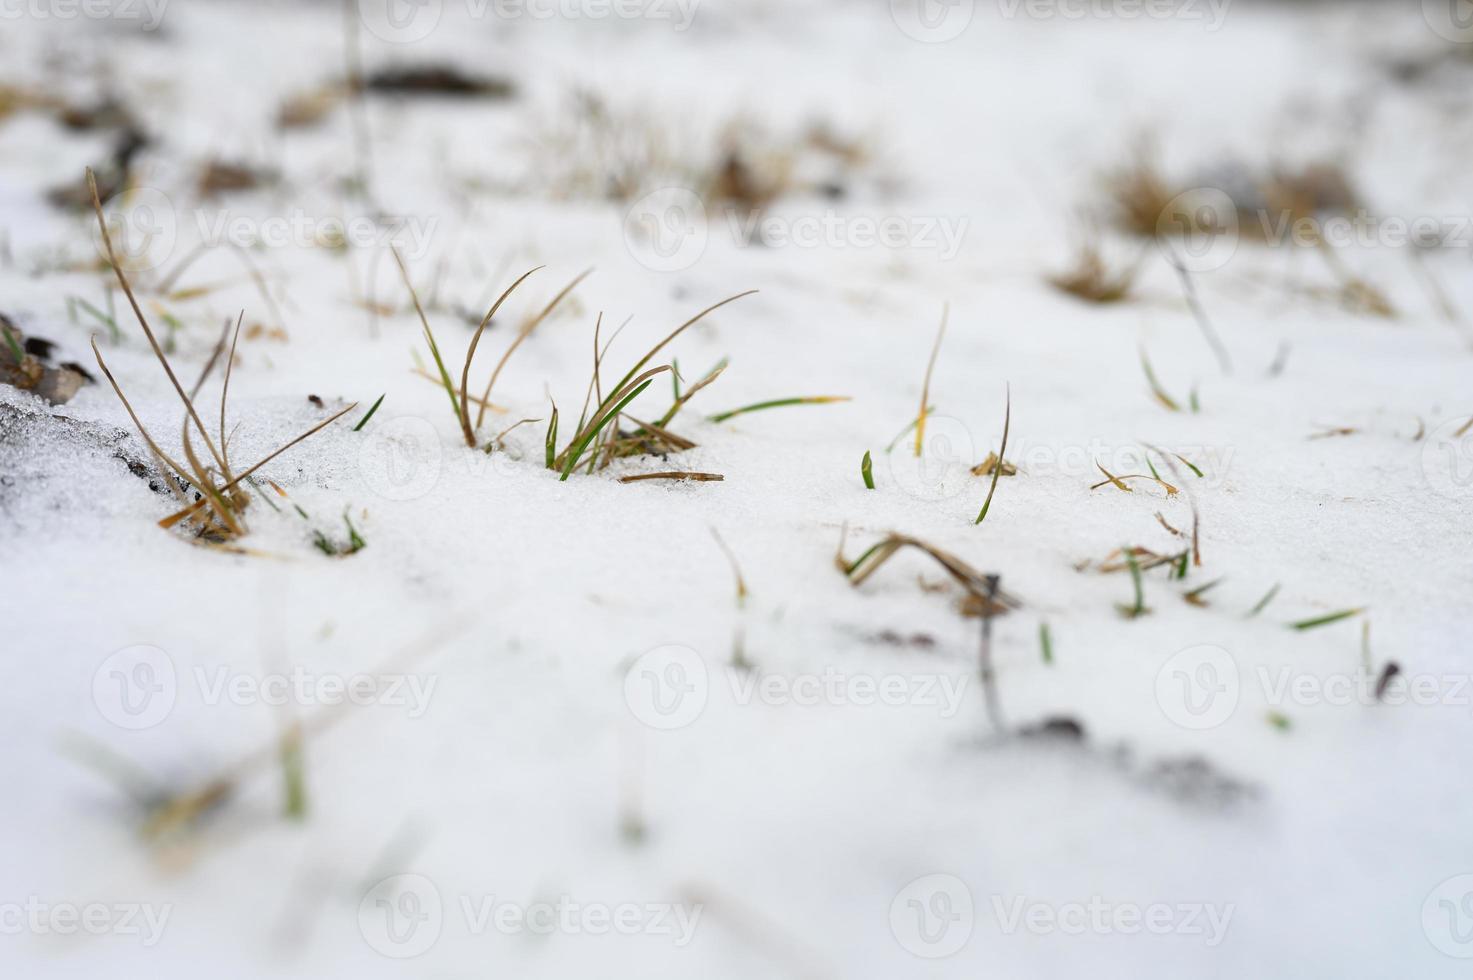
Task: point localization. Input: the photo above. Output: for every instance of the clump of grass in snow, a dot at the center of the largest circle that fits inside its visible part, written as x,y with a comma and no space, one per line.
219,510
1093,281
982,594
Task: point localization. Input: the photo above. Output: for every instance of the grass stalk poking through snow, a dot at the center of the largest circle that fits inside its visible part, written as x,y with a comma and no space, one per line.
1007,421
920,443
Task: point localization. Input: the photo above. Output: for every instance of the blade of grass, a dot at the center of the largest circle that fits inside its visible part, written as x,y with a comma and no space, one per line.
867,470
522,335
373,408
429,334
1007,421
470,355
780,403
1317,621
926,385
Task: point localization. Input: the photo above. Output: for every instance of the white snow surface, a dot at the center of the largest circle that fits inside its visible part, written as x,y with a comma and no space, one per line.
792,830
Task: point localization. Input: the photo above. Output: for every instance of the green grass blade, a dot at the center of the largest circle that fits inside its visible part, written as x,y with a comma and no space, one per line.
1007,421
364,421
577,451
867,470
1317,621
780,403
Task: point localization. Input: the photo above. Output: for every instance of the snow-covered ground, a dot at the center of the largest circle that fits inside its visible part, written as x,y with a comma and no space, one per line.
558,771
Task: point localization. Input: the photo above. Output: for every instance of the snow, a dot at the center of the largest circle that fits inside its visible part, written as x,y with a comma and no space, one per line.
527,609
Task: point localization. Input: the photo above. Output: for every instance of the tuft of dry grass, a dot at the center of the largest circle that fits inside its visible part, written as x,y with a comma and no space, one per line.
219,509
1092,280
